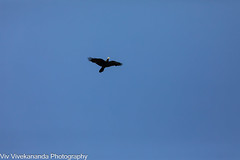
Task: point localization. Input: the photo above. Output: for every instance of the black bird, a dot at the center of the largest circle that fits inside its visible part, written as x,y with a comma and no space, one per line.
103,63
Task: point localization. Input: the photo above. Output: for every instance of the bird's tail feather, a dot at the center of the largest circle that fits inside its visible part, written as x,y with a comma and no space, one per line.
101,70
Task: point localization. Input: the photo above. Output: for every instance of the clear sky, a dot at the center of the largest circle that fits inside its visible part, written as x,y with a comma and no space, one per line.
176,97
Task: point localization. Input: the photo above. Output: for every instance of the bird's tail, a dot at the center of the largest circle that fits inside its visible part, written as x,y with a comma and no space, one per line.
101,70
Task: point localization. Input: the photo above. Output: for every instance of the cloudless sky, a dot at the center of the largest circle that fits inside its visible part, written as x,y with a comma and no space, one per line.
176,97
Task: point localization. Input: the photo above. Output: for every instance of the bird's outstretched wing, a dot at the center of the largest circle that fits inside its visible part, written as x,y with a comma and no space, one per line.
98,61
114,63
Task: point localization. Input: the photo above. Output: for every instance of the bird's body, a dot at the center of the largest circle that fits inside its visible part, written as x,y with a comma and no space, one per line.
104,63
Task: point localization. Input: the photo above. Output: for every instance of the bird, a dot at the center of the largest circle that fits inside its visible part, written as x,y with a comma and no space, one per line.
104,63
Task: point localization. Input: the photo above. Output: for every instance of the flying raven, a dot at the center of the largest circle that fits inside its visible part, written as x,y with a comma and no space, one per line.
103,63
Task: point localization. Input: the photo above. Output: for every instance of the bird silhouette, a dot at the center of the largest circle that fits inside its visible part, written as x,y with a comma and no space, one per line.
104,63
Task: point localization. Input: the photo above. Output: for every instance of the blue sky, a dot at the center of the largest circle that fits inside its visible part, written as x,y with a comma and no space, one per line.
176,97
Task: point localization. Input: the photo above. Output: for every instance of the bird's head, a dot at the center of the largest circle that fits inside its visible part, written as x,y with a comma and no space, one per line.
108,58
